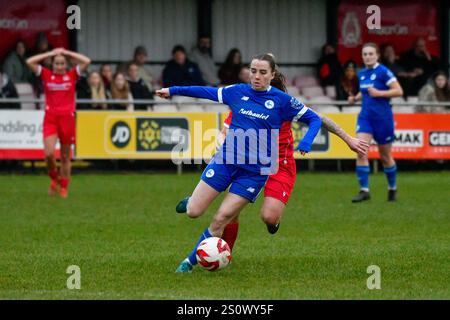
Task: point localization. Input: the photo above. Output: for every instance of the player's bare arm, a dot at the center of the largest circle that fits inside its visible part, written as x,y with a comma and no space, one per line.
81,59
357,145
33,62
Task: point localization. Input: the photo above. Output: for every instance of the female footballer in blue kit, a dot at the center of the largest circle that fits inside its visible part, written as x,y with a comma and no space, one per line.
258,107
376,121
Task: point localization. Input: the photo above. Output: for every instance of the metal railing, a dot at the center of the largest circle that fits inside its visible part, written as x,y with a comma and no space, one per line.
339,103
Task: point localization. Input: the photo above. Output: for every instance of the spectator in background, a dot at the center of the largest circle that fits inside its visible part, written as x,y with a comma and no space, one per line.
244,75
436,91
15,66
120,90
41,46
202,56
137,86
94,90
391,61
140,57
328,67
420,64
180,71
348,84
7,90
106,74
229,71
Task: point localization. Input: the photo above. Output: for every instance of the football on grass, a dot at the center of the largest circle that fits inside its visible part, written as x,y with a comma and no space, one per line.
213,254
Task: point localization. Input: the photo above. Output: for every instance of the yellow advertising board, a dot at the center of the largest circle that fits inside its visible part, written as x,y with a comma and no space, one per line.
327,145
146,135
151,135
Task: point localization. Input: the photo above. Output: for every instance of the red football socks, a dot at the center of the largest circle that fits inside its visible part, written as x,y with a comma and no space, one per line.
230,234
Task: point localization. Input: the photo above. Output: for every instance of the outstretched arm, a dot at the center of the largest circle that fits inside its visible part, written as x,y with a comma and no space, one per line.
210,93
357,145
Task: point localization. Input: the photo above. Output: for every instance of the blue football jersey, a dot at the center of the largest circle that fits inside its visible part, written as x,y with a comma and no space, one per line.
252,139
257,118
378,77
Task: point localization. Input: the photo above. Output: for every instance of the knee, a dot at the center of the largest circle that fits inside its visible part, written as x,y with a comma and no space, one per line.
194,211
269,217
49,154
362,158
386,159
65,158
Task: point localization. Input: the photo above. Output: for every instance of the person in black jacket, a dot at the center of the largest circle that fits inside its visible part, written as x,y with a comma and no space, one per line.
7,90
328,67
180,71
138,88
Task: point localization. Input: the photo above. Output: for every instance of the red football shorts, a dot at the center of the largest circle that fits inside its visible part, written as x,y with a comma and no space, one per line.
61,125
281,184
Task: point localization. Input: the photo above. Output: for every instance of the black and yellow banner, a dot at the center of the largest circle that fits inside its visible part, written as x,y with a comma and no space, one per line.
145,135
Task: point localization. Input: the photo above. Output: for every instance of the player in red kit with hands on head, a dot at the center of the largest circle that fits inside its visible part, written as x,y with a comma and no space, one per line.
59,120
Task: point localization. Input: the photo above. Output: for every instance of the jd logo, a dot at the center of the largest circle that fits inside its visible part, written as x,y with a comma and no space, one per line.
120,134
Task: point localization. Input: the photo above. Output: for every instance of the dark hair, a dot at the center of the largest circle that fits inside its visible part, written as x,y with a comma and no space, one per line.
139,50
177,48
349,64
230,56
444,93
279,80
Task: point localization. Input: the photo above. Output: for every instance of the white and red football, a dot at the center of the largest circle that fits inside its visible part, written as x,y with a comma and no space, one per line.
213,254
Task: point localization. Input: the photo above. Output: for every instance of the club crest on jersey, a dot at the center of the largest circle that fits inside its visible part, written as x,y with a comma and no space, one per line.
362,77
373,77
66,78
269,104
210,173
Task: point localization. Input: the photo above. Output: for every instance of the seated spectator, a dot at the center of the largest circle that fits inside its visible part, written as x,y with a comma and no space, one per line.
140,57
137,86
106,74
15,66
244,75
41,46
180,71
421,65
391,61
436,91
120,90
201,55
328,67
229,70
348,84
7,90
95,90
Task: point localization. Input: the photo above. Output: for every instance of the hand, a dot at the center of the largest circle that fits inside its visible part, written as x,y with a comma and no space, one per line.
58,51
163,93
374,92
304,148
351,99
359,146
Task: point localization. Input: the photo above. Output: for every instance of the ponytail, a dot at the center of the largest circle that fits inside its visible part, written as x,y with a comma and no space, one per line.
279,81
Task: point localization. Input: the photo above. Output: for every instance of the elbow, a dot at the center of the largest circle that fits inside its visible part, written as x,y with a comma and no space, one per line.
400,92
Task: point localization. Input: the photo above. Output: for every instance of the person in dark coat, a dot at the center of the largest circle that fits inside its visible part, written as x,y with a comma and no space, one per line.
180,71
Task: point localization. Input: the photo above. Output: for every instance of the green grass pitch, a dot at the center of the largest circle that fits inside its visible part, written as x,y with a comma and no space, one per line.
124,234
